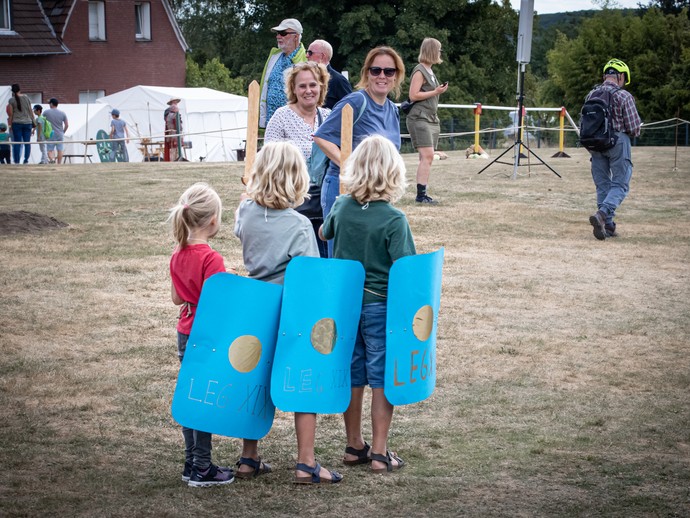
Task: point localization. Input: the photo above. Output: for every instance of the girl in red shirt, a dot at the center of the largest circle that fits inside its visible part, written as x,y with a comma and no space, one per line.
196,219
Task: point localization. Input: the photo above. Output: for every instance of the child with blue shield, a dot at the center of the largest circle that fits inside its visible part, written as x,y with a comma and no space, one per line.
272,232
365,227
195,220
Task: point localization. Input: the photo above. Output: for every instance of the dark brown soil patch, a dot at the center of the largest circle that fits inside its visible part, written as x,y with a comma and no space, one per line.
23,222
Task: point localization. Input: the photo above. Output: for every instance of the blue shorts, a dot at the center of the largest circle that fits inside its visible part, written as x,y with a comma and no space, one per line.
53,145
369,356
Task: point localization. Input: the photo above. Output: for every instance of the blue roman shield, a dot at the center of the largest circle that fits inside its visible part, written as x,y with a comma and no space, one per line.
223,386
322,300
414,297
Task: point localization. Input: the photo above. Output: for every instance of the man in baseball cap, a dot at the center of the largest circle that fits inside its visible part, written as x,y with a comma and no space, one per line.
289,51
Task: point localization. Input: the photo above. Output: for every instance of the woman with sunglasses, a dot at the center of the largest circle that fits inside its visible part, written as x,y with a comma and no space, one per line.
306,85
422,121
374,114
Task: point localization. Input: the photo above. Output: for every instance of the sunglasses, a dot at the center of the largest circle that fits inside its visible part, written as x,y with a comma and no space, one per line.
388,72
285,33
310,53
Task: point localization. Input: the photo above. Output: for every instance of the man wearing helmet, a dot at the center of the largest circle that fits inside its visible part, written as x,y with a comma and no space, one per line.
612,169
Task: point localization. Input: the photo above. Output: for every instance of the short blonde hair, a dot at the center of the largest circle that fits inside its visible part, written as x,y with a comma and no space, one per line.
373,54
319,72
430,51
279,177
195,209
375,171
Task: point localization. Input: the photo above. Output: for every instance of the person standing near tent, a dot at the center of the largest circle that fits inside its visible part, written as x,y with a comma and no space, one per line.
22,122
118,130
173,126
40,133
288,52
58,119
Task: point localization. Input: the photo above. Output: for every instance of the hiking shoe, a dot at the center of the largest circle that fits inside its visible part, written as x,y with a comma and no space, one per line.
426,199
611,230
211,476
187,472
598,220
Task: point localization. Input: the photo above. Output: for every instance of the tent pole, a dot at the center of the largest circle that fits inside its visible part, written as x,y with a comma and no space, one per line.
86,136
222,138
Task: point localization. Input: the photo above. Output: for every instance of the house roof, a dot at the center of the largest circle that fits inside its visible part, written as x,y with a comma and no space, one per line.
33,32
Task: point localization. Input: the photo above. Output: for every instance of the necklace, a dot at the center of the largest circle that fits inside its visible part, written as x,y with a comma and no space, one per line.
201,241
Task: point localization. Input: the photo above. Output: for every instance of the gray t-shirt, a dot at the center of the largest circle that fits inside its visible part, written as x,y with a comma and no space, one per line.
271,238
57,118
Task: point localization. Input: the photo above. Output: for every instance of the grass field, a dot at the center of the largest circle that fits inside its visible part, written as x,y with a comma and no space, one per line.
563,362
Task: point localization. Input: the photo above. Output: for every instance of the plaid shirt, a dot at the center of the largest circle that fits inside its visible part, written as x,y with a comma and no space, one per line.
625,116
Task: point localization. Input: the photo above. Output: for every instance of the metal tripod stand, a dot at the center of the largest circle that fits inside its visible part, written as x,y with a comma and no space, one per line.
518,142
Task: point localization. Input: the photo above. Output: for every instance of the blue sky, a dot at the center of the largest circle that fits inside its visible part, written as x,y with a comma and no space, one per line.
555,6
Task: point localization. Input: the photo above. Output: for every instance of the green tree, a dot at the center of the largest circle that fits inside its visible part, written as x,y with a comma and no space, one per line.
655,47
213,74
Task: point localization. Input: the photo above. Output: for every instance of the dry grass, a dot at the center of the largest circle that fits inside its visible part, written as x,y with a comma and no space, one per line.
563,366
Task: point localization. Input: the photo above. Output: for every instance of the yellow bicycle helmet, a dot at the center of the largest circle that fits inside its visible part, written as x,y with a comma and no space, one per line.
619,67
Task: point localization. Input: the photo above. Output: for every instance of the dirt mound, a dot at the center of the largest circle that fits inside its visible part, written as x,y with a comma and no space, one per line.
23,222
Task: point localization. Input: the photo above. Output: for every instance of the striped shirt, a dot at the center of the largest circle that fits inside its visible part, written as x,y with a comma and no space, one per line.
625,116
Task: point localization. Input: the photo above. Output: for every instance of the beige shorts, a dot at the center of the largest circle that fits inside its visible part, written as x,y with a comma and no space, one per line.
423,133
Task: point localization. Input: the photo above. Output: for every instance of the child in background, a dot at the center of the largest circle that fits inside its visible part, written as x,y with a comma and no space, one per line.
40,133
118,130
196,219
365,227
272,233
5,148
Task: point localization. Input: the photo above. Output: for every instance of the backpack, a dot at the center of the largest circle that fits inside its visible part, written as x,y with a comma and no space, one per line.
47,128
596,121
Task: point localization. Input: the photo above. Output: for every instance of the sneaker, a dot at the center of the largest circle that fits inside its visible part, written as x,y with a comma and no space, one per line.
598,220
211,476
187,472
426,199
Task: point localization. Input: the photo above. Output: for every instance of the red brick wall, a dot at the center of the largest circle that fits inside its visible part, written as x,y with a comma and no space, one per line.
116,64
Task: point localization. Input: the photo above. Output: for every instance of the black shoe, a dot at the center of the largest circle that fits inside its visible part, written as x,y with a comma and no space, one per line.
426,199
211,476
611,230
598,221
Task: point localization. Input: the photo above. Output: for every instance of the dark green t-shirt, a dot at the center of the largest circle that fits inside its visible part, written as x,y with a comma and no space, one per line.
376,234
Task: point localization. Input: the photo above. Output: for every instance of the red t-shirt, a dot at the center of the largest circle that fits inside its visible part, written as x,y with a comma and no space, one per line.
189,268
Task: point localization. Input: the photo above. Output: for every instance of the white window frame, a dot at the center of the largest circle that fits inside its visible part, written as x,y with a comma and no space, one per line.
142,20
6,24
90,96
97,20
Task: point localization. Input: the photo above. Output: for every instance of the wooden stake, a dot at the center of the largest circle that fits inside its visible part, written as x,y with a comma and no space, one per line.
345,139
253,95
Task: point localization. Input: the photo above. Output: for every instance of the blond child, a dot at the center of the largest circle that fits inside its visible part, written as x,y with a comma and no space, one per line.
272,232
365,227
195,220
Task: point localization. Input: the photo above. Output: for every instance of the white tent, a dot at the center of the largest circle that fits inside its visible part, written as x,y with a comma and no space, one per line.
214,122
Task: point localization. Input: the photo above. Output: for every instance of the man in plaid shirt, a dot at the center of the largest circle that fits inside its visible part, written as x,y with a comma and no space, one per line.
612,169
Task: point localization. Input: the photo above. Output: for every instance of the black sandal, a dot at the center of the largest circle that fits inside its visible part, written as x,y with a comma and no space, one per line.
260,468
362,455
387,459
315,475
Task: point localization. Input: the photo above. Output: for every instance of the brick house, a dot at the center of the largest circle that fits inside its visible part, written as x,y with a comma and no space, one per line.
80,50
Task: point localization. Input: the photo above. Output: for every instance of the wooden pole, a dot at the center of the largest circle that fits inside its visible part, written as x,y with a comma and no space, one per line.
252,129
345,139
